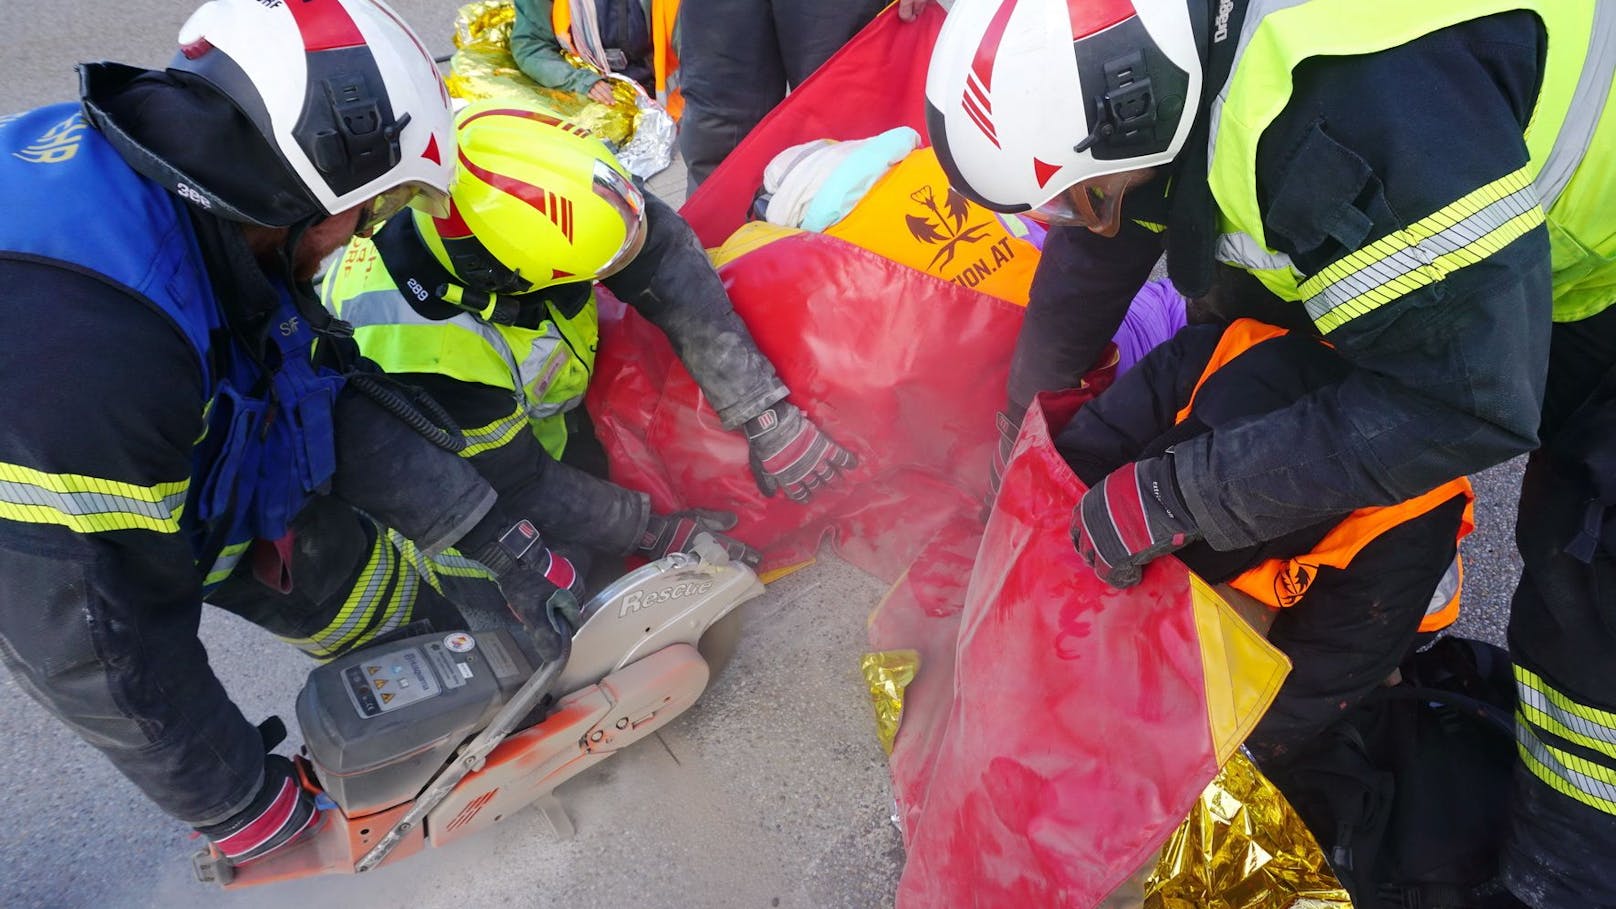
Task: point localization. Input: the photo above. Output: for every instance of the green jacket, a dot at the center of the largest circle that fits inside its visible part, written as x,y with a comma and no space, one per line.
538,52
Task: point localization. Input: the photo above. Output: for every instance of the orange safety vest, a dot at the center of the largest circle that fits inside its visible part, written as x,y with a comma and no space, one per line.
913,217
1283,582
664,50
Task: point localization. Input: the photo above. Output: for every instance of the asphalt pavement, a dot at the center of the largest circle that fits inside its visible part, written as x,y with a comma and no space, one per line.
770,792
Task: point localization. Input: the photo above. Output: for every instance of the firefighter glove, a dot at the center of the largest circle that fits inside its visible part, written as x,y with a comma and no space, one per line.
280,814
1133,516
679,531
790,453
537,582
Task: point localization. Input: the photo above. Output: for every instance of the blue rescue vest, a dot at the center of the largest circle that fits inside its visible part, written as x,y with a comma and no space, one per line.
267,446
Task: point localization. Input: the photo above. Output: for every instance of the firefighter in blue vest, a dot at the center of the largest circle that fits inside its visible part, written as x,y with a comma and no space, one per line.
1428,183
186,421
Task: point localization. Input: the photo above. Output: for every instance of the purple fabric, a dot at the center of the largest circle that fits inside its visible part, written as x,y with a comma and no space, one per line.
1156,314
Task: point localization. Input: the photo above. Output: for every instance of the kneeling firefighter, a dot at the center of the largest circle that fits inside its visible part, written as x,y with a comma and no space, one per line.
1354,592
1430,184
491,310
190,425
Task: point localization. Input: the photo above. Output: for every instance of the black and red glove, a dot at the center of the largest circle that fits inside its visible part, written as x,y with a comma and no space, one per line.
536,580
278,816
790,453
1133,516
677,532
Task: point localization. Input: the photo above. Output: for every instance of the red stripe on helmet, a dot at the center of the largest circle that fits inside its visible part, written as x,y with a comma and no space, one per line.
1090,16
454,226
988,50
1043,170
974,90
980,119
325,24
526,192
514,112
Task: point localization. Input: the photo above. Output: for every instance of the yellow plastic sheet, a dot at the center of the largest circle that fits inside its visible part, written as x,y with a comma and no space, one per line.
1243,847
483,68
887,674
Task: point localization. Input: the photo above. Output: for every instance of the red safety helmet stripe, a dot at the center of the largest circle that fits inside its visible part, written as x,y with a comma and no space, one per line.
325,24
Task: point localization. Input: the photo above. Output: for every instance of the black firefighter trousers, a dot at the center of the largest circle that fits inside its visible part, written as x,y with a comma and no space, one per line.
1561,850
737,57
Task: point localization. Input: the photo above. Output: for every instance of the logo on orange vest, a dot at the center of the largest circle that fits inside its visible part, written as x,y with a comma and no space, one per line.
949,227
1293,582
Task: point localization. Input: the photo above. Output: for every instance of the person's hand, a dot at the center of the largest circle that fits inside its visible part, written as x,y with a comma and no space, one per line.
909,9
1134,515
1009,427
677,532
537,582
790,453
601,92
278,816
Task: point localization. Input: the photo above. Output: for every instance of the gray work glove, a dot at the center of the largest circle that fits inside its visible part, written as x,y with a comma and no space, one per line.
537,582
790,453
677,532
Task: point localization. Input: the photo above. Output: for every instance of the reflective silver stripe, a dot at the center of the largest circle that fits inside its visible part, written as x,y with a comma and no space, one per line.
226,563
531,374
360,606
537,371
164,510
1380,274
1558,713
1566,772
1255,11
1587,106
495,434
1446,589
401,608
1246,252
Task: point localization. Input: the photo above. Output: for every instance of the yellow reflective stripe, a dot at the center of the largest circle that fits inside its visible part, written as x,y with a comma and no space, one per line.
360,606
226,563
1566,773
89,504
495,434
448,563
1460,234
398,611
412,557
1554,712
452,563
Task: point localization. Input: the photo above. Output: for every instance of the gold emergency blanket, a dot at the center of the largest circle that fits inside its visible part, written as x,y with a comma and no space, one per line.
887,674
1243,847
483,68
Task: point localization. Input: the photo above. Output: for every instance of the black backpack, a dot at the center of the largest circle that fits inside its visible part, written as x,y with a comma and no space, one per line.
1408,793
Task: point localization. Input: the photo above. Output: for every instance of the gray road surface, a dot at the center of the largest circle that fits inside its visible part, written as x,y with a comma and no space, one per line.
770,792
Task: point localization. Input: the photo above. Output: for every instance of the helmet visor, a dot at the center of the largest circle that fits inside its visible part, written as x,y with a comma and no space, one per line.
1095,203
419,196
626,199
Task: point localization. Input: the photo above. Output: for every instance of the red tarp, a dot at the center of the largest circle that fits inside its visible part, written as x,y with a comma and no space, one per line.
1071,733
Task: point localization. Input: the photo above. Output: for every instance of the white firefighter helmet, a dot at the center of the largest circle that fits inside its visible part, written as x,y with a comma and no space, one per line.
1027,99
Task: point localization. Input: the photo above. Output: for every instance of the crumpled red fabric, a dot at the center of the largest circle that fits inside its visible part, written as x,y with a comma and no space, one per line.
1056,730
901,368
1065,734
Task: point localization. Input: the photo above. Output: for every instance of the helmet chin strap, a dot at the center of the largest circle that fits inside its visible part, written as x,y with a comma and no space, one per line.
489,307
